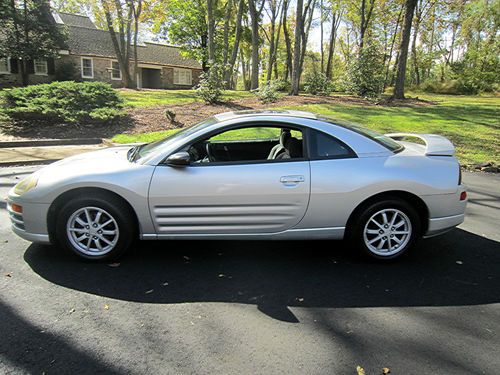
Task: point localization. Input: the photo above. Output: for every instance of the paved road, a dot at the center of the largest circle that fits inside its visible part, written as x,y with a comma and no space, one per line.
256,307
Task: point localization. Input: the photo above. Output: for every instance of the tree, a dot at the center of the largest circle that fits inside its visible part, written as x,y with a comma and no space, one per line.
399,88
299,25
119,16
28,32
255,13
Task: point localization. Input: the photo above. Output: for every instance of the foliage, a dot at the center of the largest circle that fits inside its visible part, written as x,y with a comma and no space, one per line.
63,102
267,92
211,86
366,75
317,83
66,72
28,31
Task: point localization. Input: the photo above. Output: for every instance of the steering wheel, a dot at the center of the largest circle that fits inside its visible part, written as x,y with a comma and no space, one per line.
208,149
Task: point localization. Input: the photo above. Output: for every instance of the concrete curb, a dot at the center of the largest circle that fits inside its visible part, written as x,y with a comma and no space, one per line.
52,142
27,162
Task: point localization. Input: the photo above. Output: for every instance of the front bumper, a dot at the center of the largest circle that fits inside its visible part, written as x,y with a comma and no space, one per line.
31,224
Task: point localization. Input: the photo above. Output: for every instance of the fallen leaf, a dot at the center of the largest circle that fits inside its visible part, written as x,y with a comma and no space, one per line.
8,275
149,291
106,307
360,370
165,284
386,370
114,264
459,262
72,311
300,299
222,275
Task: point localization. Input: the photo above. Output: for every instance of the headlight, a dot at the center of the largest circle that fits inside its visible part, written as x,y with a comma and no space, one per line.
25,185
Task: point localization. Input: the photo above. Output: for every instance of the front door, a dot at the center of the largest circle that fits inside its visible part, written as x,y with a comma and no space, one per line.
230,196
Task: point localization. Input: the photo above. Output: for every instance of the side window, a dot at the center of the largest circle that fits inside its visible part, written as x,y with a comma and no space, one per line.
324,146
250,144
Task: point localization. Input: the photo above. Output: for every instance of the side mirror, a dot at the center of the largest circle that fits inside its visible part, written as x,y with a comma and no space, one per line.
179,159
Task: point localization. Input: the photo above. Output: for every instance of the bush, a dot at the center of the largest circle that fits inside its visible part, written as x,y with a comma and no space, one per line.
317,84
451,87
66,72
282,85
63,102
211,86
267,92
366,74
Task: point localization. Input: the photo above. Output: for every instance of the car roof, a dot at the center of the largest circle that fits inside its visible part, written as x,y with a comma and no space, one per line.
278,113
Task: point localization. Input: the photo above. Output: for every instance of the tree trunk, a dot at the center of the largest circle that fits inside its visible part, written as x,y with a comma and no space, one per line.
322,51
331,46
234,54
394,36
288,42
399,88
365,21
254,16
211,31
296,49
272,52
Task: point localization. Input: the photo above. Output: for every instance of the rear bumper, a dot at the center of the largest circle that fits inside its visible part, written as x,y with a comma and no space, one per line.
446,212
443,224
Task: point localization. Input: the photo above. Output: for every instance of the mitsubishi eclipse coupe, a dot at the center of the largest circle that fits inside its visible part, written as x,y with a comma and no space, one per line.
247,175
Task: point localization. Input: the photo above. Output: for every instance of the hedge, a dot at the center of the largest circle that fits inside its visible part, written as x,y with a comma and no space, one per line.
62,102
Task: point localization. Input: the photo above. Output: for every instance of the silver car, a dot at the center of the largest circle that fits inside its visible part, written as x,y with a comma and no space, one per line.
247,175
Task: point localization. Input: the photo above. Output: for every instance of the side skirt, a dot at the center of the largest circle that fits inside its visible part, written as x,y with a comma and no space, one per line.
333,233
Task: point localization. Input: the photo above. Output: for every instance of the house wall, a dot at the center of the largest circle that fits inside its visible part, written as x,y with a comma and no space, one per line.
101,73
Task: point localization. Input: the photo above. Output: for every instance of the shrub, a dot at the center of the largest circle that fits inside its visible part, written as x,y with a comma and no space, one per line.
66,72
267,92
211,86
63,102
451,87
317,83
366,74
282,85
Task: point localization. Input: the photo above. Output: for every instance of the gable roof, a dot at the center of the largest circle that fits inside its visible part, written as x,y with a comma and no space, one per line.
77,20
84,38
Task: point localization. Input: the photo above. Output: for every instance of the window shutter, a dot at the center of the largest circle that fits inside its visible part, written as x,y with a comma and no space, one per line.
51,69
31,67
13,66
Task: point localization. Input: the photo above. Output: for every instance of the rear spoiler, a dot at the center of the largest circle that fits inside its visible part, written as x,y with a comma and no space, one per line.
435,145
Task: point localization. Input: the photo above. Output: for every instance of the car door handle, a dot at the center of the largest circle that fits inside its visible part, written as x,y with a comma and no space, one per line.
292,179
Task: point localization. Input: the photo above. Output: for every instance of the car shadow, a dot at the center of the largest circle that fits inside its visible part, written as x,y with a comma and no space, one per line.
458,268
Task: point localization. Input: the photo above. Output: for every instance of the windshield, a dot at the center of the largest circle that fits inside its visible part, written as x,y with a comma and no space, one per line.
385,141
149,148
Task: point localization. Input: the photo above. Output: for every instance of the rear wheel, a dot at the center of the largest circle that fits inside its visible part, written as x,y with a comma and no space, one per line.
387,230
97,229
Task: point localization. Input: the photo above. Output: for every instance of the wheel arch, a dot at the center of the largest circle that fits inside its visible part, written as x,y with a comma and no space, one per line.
86,192
414,200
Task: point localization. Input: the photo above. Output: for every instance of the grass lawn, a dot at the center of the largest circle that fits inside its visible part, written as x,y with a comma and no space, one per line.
152,98
472,123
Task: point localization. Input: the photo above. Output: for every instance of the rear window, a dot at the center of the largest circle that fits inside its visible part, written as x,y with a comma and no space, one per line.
385,141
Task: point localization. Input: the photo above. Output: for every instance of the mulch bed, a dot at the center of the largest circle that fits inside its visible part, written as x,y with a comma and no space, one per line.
149,119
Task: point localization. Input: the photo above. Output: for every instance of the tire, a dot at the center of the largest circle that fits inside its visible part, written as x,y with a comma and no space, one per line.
375,237
96,241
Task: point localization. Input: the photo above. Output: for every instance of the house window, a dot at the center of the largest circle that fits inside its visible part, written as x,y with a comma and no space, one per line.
183,77
87,67
41,67
4,65
115,70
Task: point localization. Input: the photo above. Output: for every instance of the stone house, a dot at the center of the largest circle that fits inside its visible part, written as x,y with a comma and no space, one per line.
89,56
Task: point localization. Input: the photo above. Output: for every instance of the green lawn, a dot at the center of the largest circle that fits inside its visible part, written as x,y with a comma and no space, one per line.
472,123
152,98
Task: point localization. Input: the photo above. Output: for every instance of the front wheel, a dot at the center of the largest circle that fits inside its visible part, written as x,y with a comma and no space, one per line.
386,230
95,228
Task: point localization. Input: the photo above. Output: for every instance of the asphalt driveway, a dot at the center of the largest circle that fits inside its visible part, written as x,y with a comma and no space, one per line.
256,307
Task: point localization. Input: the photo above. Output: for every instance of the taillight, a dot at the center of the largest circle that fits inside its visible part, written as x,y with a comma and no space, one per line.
463,195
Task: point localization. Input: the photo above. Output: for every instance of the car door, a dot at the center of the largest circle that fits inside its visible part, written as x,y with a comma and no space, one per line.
229,198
